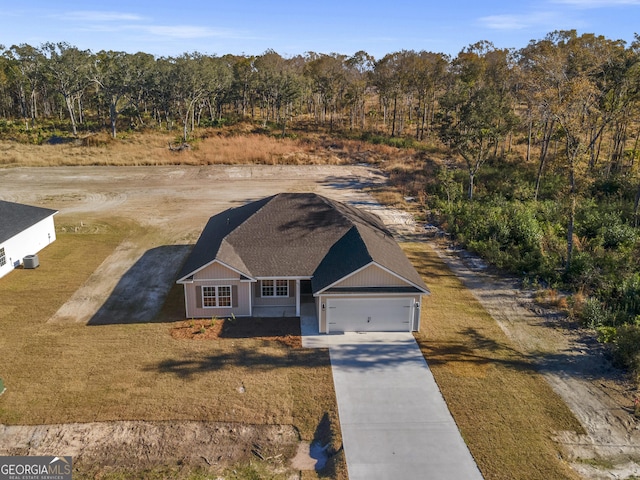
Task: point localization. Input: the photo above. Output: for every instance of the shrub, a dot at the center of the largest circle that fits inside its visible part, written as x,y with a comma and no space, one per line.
606,334
626,351
594,314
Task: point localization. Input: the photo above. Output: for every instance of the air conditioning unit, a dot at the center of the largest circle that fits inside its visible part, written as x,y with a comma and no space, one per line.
31,261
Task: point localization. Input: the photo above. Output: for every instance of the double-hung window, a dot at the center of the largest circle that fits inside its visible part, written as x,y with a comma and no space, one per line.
274,288
218,296
3,257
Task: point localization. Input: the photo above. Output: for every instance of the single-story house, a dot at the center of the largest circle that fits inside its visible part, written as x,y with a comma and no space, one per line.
24,231
291,248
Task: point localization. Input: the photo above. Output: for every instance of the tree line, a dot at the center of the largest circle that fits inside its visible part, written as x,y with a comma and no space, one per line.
547,135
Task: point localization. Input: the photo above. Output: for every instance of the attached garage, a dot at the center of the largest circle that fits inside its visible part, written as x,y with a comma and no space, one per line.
291,248
371,314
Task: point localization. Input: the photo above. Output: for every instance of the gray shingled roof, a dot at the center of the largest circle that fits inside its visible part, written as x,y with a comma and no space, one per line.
16,217
298,235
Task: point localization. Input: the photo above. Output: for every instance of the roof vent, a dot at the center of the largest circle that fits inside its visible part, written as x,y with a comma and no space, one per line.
31,261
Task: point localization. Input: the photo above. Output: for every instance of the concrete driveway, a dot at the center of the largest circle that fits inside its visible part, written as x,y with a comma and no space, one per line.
395,423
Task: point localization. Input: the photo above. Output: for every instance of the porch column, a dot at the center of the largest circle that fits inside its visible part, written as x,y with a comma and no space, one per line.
297,298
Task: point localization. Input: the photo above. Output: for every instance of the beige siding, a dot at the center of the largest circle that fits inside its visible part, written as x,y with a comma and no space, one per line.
259,301
214,271
371,276
243,300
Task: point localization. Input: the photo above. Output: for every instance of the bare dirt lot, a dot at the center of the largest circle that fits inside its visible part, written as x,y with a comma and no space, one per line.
172,204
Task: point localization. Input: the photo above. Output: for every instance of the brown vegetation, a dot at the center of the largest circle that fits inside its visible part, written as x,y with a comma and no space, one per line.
285,331
58,374
505,409
210,148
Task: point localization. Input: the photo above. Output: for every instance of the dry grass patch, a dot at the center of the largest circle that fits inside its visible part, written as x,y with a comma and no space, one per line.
506,411
153,149
211,146
57,374
252,149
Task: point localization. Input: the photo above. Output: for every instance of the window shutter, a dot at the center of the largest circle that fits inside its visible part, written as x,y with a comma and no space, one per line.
234,295
199,297
292,286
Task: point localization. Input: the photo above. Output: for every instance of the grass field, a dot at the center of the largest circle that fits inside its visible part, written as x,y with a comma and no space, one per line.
76,373
210,148
506,411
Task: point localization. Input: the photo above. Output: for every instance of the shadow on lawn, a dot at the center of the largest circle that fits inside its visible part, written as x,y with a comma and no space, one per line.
141,292
240,356
586,361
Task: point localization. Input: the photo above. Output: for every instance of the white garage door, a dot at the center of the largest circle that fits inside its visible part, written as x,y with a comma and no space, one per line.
370,314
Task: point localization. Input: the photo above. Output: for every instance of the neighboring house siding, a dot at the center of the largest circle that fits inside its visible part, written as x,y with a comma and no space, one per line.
371,276
260,301
28,242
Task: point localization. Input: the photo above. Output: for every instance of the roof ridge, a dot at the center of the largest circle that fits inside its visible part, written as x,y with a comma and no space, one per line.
355,216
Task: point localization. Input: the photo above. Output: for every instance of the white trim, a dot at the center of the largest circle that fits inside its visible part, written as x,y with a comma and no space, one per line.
217,296
284,278
373,294
425,292
216,280
275,288
186,301
417,314
215,260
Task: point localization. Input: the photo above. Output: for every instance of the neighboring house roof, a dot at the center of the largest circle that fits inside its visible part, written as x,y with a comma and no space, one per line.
299,235
16,217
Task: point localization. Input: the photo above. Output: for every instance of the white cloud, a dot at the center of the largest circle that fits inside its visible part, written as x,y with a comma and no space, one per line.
183,31
518,21
504,22
99,16
106,21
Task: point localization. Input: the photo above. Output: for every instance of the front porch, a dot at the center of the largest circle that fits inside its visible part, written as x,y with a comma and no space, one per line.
276,299
304,305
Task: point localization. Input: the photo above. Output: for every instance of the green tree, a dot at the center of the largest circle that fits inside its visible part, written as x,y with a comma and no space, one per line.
477,109
25,65
328,75
114,75
573,76
68,69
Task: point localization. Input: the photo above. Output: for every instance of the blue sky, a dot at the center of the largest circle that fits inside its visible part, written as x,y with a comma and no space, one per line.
170,28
